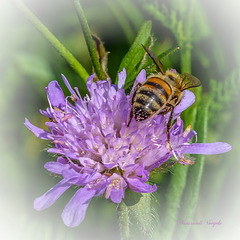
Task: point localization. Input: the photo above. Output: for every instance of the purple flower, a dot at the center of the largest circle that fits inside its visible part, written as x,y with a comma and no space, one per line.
98,152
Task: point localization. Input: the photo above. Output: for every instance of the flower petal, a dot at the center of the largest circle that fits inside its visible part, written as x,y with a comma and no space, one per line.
47,199
187,100
40,133
56,167
116,188
207,148
68,86
89,82
138,186
141,77
117,195
74,212
121,78
55,95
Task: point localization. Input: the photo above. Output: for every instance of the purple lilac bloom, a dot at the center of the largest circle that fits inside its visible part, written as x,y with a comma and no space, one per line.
98,152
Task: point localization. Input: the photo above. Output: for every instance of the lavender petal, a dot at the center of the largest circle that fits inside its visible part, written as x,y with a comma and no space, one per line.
121,78
187,100
138,186
207,148
47,199
74,212
40,133
68,86
55,95
56,167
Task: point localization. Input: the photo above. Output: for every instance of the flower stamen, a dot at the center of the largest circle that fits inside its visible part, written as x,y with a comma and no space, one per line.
187,130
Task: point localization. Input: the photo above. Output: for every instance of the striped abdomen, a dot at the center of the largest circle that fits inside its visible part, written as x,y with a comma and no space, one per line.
150,98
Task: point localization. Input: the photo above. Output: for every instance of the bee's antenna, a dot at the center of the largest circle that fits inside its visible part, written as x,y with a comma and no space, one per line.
168,52
155,59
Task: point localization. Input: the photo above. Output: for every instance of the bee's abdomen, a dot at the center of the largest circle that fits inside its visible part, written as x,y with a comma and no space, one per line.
150,98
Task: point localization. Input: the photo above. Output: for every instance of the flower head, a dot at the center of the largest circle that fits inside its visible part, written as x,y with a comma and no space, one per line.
99,152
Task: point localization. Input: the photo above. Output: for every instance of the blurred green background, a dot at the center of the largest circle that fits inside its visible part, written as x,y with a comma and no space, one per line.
29,63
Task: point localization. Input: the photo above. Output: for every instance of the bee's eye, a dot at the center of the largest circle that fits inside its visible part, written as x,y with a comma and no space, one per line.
171,78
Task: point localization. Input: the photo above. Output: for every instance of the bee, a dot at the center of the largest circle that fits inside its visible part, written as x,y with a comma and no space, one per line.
160,93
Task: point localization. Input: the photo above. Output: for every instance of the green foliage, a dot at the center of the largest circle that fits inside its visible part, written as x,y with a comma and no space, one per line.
186,25
222,94
124,23
134,56
89,40
73,62
178,17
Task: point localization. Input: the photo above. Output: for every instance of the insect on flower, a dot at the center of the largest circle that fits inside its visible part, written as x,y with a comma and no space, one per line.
160,93
99,153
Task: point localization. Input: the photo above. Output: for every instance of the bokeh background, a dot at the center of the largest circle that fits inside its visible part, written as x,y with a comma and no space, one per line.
29,63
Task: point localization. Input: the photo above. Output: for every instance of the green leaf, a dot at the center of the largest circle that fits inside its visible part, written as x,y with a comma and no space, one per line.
131,198
135,54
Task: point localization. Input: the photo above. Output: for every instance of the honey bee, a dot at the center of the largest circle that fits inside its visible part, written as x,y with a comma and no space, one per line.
160,93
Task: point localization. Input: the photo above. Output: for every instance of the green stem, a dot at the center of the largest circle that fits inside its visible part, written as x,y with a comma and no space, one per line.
123,216
143,215
88,37
174,196
73,62
179,178
190,197
186,58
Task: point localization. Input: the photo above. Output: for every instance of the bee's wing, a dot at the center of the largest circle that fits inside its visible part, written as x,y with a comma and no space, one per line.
155,59
189,81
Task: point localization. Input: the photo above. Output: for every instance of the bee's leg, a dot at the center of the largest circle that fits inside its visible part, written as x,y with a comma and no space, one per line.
130,119
169,124
134,94
164,111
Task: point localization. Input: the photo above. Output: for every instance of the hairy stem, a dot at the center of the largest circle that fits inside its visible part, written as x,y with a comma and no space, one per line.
123,216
